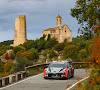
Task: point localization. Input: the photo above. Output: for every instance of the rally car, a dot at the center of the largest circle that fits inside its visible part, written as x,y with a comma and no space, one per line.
59,69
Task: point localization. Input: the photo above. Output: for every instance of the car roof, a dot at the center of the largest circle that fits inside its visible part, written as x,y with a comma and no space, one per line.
64,61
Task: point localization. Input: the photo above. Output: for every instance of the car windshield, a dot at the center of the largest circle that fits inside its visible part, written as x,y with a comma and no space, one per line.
57,65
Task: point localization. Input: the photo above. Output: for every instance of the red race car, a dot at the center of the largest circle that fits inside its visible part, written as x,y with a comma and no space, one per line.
59,69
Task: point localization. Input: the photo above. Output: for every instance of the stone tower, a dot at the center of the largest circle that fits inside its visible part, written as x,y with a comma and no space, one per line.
59,21
20,30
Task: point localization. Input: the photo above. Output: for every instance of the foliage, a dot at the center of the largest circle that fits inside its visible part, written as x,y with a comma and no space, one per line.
22,63
6,56
9,67
11,55
83,53
88,11
1,66
59,47
51,43
6,43
3,49
19,48
33,54
48,38
50,52
70,50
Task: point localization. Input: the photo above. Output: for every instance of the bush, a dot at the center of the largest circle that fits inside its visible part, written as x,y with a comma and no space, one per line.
11,55
50,52
33,54
19,48
70,51
21,63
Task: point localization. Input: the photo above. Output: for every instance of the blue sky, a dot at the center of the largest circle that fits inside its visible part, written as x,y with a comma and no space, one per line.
40,15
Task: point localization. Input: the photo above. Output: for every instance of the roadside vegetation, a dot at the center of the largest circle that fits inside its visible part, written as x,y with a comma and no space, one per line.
87,12
28,54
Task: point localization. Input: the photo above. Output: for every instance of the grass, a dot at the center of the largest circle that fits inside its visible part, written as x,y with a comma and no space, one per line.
81,86
35,71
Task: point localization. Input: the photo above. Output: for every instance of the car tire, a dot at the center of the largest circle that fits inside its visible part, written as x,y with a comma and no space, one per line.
45,77
72,74
68,76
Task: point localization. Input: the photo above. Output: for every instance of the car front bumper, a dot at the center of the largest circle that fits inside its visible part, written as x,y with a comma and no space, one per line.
55,75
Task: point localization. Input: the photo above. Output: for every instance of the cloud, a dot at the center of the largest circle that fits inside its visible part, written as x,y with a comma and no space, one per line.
40,15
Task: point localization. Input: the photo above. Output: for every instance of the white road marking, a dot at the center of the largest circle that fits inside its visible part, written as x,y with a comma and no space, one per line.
20,81
77,83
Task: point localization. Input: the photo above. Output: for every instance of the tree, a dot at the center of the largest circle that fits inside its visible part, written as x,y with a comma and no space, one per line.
83,53
50,52
6,56
21,63
81,44
11,55
19,48
49,36
59,47
41,44
87,11
33,54
1,66
9,67
50,44
70,51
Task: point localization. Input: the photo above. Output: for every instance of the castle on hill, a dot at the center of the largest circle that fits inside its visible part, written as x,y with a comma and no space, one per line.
60,32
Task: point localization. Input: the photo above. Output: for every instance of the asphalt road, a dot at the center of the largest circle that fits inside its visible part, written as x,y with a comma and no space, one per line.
39,83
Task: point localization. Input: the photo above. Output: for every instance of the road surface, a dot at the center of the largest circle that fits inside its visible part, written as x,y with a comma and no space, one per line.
39,83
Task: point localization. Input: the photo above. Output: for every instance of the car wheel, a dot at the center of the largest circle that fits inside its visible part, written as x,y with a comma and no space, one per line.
72,74
45,77
68,76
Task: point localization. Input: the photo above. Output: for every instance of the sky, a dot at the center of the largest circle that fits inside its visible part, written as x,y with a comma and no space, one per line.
40,15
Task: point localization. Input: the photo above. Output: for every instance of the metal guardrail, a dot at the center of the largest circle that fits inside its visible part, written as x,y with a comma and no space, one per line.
35,66
12,78
81,62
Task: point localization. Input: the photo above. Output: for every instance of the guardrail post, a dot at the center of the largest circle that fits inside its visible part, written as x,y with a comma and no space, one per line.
22,75
16,77
3,81
10,79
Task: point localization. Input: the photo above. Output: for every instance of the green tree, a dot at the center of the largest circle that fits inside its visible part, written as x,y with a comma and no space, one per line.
1,66
11,55
21,63
9,67
33,54
83,53
87,11
50,52
70,51
59,47
81,44
19,48
48,38
51,43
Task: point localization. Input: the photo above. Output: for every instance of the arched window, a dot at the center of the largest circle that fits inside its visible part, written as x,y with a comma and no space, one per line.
60,21
57,21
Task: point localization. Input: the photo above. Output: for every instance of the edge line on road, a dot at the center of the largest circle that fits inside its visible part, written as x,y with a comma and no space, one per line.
77,83
9,85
